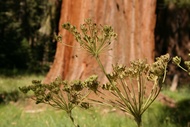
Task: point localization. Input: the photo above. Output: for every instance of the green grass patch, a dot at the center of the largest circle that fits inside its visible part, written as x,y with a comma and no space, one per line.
181,93
26,113
13,115
12,83
9,85
179,115
18,115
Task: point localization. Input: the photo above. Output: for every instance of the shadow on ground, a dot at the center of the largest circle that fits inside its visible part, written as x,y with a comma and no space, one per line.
6,97
179,115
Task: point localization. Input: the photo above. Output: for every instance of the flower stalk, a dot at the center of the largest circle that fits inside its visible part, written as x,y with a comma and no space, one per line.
123,81
177,60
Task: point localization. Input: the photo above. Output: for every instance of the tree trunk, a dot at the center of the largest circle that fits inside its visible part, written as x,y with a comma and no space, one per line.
133,21
174,83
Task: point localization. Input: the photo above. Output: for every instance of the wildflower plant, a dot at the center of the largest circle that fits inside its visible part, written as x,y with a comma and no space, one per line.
127,85
63,95
123,80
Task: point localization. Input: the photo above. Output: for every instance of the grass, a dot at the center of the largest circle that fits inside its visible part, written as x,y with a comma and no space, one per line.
17,115
25,113
180,115
11,83
181,93
14,116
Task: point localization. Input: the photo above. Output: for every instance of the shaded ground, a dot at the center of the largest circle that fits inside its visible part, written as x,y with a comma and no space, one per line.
179,115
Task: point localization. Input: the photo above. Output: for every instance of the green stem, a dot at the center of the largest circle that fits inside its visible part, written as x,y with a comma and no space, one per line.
138,118
120,95
182,67
139,121
72,119
101,66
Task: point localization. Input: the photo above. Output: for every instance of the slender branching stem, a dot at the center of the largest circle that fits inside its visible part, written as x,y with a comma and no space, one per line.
72,119
182,68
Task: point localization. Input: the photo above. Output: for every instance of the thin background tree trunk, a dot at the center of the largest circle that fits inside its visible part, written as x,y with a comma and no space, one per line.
133,21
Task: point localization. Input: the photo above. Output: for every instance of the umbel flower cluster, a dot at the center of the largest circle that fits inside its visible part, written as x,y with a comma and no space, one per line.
128,86
62,94
92,38
151,72
177,61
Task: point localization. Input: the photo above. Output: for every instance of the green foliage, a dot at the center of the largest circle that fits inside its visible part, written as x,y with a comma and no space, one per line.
6,97
9,86
180,114
179,3
22,46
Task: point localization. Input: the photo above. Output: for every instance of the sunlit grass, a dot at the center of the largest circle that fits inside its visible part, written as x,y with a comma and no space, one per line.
12,83
25,113
19,115
13,115
9,86
181,93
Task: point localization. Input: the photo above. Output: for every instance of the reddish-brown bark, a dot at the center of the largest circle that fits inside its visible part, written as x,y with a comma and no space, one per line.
133,21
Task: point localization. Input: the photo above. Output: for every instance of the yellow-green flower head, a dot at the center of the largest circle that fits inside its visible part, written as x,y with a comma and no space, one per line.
187,63
176,60
77,85
158,68
107,86
137,68
92,83
92,38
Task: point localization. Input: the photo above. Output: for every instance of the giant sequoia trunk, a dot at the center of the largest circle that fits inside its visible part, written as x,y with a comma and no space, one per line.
133,21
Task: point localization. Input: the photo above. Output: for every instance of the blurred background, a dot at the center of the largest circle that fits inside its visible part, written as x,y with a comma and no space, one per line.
28,47
27,29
